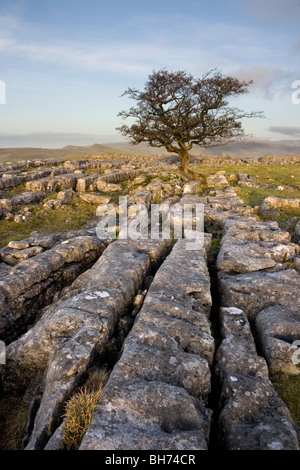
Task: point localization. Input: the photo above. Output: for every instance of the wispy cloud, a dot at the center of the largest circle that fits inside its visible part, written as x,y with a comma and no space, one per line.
267,80
214,44
291,131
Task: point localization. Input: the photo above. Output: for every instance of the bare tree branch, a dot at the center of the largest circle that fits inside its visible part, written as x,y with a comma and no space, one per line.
176,111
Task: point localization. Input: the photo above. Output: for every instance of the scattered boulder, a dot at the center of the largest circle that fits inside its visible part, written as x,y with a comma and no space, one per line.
192,187
66,196
255,291
218,180
53,204
5,207
271,204
95,198
29,197
13,257
19,245
246,180
25,217
105,187
278,328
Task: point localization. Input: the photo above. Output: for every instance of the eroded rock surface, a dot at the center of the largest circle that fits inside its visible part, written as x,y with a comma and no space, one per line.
76,328
160,386
33,282
251,416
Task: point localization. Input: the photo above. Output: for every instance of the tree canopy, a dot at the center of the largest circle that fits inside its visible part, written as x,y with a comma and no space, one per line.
176,110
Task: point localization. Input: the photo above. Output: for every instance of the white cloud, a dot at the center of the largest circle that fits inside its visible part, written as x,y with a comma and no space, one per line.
267,80
198,47
291,131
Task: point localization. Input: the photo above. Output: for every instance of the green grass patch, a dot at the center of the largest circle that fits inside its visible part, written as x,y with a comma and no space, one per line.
71,217
14,191
93,171
288,388
215,243
254,196
267,174
288,174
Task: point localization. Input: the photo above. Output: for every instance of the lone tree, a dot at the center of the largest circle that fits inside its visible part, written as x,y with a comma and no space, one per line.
176,111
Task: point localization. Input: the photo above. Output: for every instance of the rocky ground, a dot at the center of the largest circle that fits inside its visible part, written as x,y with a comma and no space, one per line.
189,338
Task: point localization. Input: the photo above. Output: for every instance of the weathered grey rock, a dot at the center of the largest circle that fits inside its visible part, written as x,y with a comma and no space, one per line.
29,197
192,187
246,180
237,352
278,328
270,205
249,246
32,283
115,176
151,416
15,255
160,384
95,198
243,258
252,416
84,182
66,196
5,207
77,327
9,181
19,245
139,180
106,187
67,181
258,290
140,196
223,206
53,204
296,234
217,180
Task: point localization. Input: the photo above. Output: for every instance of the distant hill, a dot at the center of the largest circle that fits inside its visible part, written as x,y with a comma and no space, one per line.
243,149
254,148
246,149
70,151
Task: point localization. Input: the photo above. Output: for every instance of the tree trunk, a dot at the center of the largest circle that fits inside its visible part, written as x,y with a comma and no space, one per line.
184,160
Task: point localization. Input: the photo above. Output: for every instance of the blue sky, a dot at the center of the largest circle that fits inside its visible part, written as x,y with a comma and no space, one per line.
66,63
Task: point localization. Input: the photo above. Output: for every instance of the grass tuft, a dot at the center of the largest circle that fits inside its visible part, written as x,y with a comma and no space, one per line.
13,420
80,409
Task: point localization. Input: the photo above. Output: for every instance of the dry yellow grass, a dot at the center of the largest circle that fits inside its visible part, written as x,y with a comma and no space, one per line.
80,408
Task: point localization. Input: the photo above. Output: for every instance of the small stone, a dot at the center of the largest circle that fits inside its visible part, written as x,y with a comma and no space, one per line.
66,196
95,198
19,245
